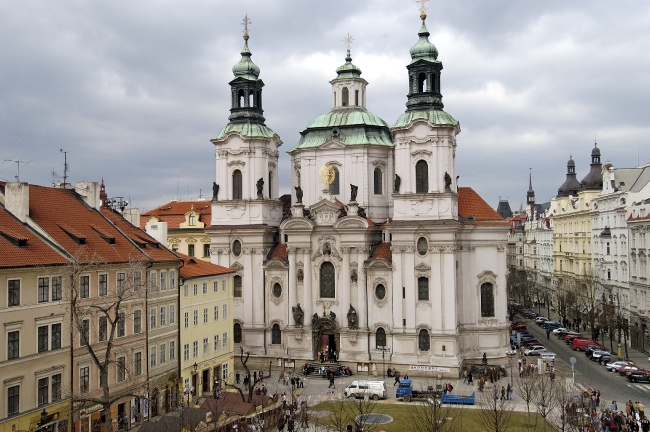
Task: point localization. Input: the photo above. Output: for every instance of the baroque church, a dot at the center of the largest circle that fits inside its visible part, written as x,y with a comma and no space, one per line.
381,254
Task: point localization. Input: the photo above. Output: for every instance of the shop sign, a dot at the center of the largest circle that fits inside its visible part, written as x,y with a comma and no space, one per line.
429,368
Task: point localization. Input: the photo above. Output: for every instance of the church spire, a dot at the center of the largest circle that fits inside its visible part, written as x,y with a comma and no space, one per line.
424,71
246,88
530,195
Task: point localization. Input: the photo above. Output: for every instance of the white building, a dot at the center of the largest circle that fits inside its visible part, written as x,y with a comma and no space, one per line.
381,248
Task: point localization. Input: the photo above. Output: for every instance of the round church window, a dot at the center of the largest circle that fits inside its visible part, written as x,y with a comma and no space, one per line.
277,290
423,245
380,291
236,248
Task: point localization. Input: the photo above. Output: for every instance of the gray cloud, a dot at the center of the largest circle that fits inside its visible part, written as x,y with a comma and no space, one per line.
135,90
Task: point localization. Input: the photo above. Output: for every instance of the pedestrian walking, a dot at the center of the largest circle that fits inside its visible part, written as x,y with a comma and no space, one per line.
396,378
548,333
237,377
331,381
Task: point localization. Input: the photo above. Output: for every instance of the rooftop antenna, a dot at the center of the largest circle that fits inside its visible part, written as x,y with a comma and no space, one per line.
65,166
53,177
200,194
17,162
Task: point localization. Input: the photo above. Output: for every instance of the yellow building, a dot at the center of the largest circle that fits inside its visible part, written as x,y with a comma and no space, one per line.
206,327
35,359
186,222
572,246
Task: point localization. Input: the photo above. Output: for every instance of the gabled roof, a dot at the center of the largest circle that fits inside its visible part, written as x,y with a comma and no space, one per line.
194,268
63,215
470,204
21,247
174,213
148,244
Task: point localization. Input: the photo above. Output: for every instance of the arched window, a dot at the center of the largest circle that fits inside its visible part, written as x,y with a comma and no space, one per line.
487,300
251,99
380,338
327,282
423,289
276,335
424,342
237,289
345,97
259,100
334,187
192,219
356,97
236,185
237,333
270,184
240,98
422,83
421,177
378,182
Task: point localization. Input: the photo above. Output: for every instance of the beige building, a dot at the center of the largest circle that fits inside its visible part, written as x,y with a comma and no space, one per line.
185,226
572,244
35,359
206,305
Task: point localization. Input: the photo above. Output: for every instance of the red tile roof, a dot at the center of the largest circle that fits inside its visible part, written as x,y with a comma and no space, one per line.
61,211
279,252
193,268
382,251
174,213
471,204
35,252
148,244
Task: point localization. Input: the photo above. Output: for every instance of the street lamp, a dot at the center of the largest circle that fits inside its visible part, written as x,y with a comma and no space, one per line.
383,349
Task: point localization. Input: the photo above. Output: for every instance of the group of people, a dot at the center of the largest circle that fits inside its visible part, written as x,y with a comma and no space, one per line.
328,355
611,419
291,379
291,414
247,378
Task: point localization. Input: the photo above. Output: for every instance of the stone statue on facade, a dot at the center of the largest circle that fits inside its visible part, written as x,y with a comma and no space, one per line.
361,212
215,191
398,182
298,315
353,192
354,277
353,322
298,194
300,275
332,316
315,318
447,181
260,187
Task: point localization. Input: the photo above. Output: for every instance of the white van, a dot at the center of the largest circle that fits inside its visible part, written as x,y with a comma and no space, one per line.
359,389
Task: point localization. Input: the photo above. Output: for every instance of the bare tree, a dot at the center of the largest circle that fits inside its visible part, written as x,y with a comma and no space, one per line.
527,387
495,414
545,399
431,416
106,315
253,379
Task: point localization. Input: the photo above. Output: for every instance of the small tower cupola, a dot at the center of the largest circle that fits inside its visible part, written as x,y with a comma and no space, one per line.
594,179
571,185
424,73
246,88
348,88
530,194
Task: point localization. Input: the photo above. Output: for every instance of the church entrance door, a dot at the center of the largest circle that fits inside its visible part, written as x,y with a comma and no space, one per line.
327,345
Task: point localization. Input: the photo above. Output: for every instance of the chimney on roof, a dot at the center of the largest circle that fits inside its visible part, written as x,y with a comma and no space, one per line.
17,200
157,230
90,193
132,216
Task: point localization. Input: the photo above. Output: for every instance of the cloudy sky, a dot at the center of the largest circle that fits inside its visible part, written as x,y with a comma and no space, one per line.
134,90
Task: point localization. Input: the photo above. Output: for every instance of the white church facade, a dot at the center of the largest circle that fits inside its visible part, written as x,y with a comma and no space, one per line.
380,253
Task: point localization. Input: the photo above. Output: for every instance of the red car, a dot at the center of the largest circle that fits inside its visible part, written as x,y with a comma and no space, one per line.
629,368
580,344
520,328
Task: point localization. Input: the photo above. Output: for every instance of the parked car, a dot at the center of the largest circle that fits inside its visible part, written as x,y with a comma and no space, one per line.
532,344
563,335
597,355
372,389
520,328
605,358
534,350
581,344
540,320
558,330
639,377
589,351
551,325
570,338
529,314
628,368
614,367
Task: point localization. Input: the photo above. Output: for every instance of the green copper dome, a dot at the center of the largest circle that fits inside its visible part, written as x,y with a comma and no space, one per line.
423,49
246,68
246,130
433,116
348,70
349,126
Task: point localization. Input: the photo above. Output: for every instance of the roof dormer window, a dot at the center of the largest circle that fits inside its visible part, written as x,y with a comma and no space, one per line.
192,220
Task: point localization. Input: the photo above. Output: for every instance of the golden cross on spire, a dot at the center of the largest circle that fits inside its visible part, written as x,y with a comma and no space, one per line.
348,41
245,23
423,8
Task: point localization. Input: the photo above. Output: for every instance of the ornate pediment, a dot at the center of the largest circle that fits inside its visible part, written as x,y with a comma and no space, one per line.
325,212
297,223
332,144
422,266
351,222
236,266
